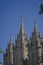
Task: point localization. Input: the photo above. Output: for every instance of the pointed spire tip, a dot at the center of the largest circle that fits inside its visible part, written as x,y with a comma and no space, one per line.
35,26
11,39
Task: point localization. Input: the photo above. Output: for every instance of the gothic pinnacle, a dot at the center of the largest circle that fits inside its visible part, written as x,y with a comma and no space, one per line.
22,26
11,40
35,27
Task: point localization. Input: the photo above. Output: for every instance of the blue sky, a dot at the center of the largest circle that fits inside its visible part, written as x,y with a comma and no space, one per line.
10,12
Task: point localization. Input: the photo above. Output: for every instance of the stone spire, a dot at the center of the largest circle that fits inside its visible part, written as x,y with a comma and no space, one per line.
35,27
22,31
11,40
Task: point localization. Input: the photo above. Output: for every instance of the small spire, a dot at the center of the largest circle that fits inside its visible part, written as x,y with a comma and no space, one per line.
11,40
21,19
35,27
22,26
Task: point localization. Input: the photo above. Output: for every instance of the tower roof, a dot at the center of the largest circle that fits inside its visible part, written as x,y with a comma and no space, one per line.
22,31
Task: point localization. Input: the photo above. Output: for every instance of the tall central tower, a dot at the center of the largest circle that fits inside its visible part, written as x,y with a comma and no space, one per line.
21,49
